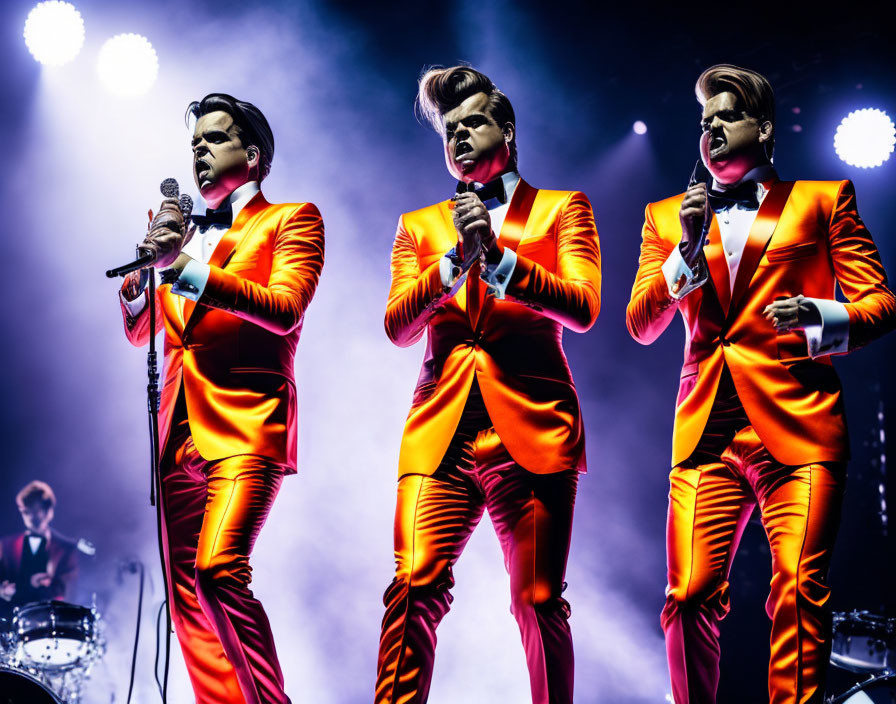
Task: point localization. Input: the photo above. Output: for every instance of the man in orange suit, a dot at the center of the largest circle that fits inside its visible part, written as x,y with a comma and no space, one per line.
493,275
232,303
759,417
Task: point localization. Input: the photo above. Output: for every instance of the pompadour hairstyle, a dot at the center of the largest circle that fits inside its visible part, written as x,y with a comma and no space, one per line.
443,89
36,492
252,125
753,92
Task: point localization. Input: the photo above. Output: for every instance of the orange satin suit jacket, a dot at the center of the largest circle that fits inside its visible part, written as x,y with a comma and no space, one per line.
807,238
233,349
513,347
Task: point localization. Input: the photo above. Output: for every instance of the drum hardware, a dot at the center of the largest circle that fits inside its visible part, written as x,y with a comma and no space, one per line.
48,651
864,643
862,687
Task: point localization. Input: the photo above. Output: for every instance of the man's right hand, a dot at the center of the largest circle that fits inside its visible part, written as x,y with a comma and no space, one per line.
693,214
168,233
7,590
473,224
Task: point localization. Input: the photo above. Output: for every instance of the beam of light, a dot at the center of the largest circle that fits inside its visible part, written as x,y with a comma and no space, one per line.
865,138
54,32
128,65
639,127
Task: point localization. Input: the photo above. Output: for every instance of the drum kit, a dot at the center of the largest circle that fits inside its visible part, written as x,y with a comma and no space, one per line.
47,651
864,644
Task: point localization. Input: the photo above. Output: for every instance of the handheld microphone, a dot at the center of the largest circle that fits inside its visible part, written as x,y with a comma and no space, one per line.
169,189
701,174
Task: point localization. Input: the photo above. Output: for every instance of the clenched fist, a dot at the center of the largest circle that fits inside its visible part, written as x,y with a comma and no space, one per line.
693,214
167,234
473,225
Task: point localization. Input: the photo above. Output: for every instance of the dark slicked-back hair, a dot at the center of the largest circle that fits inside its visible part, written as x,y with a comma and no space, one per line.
753,92
252,125
443,89
36,492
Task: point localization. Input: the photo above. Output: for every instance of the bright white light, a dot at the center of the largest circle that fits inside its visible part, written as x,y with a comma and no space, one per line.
865,138
128,64
639,127
54,32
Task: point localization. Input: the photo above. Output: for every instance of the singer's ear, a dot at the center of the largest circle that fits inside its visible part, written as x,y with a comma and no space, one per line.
508,129
766,129
252,156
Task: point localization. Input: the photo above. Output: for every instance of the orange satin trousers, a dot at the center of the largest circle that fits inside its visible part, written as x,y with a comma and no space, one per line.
213,512
711,498
435,516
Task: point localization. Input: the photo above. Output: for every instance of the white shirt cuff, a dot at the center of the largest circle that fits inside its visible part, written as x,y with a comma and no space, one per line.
497,276
192,280
135,307
831,336
674,268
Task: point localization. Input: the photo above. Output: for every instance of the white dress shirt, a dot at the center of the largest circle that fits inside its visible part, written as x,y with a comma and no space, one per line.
830,336
192,280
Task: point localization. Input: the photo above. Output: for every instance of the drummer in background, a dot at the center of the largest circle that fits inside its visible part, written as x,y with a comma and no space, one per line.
38,564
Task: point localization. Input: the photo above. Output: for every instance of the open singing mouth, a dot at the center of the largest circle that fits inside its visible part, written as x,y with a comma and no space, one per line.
717,143
461,149
201,167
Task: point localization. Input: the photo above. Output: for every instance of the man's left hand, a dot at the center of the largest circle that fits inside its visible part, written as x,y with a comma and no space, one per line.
792,314
473,222
41,579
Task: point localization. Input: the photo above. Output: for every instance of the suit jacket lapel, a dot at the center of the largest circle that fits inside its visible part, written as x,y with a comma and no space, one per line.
18,551
763,228
514,225
224,251
512,231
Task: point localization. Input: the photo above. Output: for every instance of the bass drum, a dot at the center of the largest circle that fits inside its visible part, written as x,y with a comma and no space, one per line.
18,687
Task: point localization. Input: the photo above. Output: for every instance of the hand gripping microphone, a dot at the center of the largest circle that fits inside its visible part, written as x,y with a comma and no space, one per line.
169,189
701,174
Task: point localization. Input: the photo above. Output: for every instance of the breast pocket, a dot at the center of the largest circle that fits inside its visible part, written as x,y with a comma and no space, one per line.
789,252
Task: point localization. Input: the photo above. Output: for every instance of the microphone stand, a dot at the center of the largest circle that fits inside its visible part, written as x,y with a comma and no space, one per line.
155,486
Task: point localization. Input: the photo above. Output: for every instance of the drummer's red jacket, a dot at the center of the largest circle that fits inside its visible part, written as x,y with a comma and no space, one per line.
58,557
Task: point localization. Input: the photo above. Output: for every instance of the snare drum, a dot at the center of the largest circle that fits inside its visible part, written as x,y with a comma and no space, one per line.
5,639
864,642
17,686
54,635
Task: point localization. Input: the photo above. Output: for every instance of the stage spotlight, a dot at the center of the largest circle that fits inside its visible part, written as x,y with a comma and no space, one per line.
54,32
639,127
865,138
128,64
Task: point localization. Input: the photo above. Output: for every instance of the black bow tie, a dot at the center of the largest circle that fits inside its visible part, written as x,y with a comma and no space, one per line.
492,189
742,195
221,216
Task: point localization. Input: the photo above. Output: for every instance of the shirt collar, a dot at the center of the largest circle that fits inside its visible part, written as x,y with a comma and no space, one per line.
511,180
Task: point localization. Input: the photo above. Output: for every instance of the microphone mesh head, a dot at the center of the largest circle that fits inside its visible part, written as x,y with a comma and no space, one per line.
169,188
186,206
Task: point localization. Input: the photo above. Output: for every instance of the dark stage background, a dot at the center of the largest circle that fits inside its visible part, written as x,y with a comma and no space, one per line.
337,82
